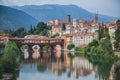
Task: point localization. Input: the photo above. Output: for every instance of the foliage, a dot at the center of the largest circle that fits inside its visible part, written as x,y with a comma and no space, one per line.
1,69
94,43
70,55
70,46
79,51
55,35
103,32
106,46
31,31
103,64
11,57
40,29
24,47
63,27
103,46
46,48
20,32
117,71
117,36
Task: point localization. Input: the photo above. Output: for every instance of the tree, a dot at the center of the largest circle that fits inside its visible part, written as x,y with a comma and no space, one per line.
42,29
94,43
117,36
55,35
70,46
106,45
46,48
1,69
31,30
11,57
117,71
20,32
63,27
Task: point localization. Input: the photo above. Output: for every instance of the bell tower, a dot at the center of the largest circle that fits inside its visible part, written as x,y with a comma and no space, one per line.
96,18
68,19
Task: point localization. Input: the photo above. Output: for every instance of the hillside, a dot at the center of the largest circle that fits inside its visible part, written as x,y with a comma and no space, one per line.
11,18
49,12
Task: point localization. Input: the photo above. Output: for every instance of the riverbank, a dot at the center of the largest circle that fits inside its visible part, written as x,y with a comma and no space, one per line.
7,76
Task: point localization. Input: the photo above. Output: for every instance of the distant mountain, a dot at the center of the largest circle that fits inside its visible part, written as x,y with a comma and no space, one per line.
11,18
49,12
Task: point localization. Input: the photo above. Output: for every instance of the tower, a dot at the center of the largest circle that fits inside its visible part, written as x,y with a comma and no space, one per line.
68,19
96,18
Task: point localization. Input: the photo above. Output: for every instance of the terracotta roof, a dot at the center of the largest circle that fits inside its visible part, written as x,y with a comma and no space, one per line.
81,34
3,36
83,45
36,36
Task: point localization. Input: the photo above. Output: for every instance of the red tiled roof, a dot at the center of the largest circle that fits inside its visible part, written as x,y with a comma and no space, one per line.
83,45
81,34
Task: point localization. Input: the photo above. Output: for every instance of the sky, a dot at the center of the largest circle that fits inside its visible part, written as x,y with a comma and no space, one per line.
106,7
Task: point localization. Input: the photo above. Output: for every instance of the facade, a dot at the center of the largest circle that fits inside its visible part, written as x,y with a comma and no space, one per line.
80,39
4,38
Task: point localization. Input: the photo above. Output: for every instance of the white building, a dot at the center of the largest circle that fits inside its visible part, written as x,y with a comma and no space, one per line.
80,39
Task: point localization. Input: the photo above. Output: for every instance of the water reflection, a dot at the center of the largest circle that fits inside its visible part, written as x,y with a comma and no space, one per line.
116,70
75,68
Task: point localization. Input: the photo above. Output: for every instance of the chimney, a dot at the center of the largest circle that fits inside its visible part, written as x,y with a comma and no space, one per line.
68,19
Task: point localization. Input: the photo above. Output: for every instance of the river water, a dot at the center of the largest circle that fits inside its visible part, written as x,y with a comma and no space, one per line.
64,68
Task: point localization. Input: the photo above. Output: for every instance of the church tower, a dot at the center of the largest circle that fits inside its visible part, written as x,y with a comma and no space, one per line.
96,18
68,19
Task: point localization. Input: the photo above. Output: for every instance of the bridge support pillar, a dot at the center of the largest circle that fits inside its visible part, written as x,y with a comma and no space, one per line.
30,51
41,51
62,52
52,49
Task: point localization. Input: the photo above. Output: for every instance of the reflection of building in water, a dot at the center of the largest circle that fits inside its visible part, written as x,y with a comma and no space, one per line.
82,67
58,51
56,68
26,54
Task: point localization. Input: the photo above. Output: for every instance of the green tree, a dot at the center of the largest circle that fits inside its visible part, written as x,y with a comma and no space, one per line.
117,71
20,32
93,43
1,69
106,46
31,31
117,36
70,46
55,35
46,48
42,29
11,57
63,27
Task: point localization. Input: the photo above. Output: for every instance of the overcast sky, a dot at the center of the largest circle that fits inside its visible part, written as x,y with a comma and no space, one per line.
107,7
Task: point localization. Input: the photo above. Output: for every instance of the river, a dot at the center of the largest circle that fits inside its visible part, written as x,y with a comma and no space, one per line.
66,68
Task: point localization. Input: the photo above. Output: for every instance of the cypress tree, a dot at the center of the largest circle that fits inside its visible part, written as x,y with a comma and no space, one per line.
117,36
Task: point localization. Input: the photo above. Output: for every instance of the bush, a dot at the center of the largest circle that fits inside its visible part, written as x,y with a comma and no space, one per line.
11,57
1,69
24,47
70,46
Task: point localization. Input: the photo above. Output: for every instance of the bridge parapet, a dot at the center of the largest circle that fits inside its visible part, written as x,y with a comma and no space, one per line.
50,41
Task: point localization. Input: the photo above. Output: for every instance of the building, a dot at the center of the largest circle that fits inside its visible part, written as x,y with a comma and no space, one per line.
79,39
4,38
84,39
